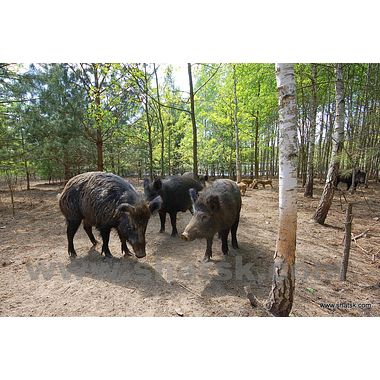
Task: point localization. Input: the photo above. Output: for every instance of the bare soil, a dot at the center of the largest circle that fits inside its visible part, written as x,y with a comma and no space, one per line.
39,279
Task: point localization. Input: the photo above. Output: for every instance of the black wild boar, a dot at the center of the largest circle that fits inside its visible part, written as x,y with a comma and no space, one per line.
216,209
346,177
201,178
106,201
174,192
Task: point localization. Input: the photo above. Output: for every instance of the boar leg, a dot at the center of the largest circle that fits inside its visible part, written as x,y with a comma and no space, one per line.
88,228
124,247
173,219
224,235
105,232
233,233
72,228
162,219
208,252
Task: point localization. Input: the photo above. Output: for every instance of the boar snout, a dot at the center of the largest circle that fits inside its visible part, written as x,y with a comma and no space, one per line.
185,236
139,249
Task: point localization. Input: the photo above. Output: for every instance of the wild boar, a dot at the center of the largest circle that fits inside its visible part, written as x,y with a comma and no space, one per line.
174,192
346,177
106,201
216,209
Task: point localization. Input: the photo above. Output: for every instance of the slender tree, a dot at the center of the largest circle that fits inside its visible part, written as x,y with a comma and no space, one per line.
194,124
281,297
160,122
338,141
238,164
148,120
313,121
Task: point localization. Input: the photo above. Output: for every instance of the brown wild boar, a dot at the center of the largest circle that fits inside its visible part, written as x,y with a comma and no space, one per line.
243,187
265,182
247,181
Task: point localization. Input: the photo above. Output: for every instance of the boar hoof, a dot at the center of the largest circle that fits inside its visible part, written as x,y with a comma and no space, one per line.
206,259
107,254
72,255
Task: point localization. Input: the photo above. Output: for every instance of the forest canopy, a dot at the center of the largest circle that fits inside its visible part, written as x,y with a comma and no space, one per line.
60,119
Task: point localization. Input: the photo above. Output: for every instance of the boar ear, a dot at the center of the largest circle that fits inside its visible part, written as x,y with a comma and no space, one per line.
157,184
214,203
155,204
193,195
126,207
146,183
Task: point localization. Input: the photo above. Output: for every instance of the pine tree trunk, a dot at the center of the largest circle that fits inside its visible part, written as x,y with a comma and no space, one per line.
281,297
192,107
161,124
99,149
149,127
257,147
338,139
98,118
238,166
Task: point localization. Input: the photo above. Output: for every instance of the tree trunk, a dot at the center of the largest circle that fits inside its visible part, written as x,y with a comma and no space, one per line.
257,147
149,127
347,243
99,148
338,139
161,124
281,297
238,166
25,162
313,115
192,107
98,119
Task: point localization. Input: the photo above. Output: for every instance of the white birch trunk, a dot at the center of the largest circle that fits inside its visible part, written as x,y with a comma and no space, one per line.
281,297
338,140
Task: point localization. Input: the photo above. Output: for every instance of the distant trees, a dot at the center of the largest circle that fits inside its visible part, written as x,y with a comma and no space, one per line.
316,89
61,119
237,111
111,92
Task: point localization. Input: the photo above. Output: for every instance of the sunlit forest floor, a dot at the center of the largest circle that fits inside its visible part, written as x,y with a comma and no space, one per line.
39,279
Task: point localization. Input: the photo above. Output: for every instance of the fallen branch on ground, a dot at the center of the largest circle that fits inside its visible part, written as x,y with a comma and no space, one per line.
189,290
360,235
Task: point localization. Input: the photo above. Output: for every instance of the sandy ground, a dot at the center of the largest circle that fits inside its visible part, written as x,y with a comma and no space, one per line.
39,279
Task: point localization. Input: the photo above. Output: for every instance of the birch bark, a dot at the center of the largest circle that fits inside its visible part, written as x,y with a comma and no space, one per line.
338,140
281,297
